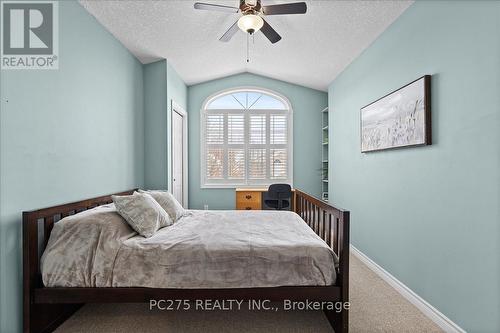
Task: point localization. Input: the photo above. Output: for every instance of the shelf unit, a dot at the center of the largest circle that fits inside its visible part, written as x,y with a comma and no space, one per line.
324,155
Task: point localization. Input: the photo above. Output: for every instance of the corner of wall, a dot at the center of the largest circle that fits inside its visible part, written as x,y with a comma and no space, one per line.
162,84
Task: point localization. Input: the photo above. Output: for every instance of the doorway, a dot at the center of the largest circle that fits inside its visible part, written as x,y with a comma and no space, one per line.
178,160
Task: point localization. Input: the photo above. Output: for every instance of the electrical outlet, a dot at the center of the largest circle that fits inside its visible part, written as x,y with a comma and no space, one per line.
206,207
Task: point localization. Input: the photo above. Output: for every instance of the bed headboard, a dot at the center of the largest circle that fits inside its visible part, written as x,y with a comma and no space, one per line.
37,225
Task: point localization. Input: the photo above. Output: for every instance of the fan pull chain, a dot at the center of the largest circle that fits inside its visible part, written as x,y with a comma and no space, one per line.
248,46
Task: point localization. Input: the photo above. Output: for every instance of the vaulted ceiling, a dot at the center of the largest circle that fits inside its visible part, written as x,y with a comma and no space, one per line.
314,49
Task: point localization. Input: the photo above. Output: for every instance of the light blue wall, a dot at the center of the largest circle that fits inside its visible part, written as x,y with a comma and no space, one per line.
65,135
162,84
155,125
176,88
430,215
307,105
176,92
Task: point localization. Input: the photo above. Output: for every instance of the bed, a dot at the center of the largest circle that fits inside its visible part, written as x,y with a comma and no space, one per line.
257,255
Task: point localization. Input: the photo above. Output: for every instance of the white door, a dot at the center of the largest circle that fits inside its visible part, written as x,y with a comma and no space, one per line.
178,156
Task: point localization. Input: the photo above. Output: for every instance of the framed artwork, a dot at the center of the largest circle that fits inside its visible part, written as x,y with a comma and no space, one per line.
399,119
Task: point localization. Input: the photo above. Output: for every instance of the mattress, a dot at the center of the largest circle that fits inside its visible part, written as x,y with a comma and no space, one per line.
204,249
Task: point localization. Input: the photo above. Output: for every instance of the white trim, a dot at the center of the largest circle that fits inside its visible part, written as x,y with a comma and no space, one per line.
281,97
178,109
203,113
431,312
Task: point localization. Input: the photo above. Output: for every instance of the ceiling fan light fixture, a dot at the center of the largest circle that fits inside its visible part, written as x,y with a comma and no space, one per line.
250,23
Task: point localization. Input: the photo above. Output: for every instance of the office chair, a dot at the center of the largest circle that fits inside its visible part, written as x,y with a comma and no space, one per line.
279,196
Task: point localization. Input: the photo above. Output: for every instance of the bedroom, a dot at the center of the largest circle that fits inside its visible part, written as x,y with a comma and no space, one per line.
98,118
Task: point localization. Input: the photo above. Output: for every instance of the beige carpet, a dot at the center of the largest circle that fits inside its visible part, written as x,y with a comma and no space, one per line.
375,307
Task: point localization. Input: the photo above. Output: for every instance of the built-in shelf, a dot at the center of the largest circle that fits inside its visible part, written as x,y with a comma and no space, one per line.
324,154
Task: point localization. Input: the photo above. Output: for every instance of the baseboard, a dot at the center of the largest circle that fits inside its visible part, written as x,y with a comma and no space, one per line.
437,317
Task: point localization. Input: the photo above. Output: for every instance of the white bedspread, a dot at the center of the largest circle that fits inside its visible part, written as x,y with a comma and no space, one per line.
205,249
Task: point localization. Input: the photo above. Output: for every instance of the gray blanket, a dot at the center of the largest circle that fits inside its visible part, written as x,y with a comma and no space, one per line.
204,249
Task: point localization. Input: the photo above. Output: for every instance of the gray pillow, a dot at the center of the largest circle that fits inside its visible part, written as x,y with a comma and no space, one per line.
142,212
169,203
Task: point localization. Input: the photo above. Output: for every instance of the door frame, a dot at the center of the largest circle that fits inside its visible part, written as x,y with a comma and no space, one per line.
180,110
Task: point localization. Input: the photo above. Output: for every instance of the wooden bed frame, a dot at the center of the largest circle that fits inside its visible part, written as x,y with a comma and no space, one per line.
46,308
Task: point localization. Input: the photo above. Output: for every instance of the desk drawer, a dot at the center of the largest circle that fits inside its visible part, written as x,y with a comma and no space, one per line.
255,197
248,206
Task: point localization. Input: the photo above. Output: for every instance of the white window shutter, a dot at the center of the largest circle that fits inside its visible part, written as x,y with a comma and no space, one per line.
257,129
279,165
236,163
278,128
236,129
257,163
214,129
248,143
215,163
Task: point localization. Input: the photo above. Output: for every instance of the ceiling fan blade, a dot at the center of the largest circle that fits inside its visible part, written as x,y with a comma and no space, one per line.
230,33
220,8
270,33
287,8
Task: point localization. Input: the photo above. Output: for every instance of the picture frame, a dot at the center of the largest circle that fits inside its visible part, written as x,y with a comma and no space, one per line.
399,119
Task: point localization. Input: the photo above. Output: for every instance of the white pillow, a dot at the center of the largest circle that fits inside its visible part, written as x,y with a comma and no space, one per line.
169,203
142,212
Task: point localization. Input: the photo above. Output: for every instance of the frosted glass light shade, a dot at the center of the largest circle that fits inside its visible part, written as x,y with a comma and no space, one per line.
250,23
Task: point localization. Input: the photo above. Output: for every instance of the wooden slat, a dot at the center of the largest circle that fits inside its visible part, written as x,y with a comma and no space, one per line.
323,219
302,208
316,208
330,230
318,214
314,218
311,219
299,206
308,213
313,210
48,224
335,244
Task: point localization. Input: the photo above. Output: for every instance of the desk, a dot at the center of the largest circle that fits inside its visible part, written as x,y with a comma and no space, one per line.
251,198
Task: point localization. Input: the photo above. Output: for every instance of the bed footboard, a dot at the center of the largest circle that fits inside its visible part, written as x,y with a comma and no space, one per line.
332,225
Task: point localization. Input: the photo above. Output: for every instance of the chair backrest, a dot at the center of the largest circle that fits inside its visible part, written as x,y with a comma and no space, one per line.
279,191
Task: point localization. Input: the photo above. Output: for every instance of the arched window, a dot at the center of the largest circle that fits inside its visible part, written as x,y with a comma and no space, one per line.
246,139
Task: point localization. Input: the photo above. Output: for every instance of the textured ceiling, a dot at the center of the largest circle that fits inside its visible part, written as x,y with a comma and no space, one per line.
315,47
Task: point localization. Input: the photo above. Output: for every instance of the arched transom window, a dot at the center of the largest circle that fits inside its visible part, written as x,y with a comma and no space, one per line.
246,139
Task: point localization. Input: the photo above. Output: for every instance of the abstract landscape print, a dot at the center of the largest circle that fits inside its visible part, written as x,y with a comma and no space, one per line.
399,119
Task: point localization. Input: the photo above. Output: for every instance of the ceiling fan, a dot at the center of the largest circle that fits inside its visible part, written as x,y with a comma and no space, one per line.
252,19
